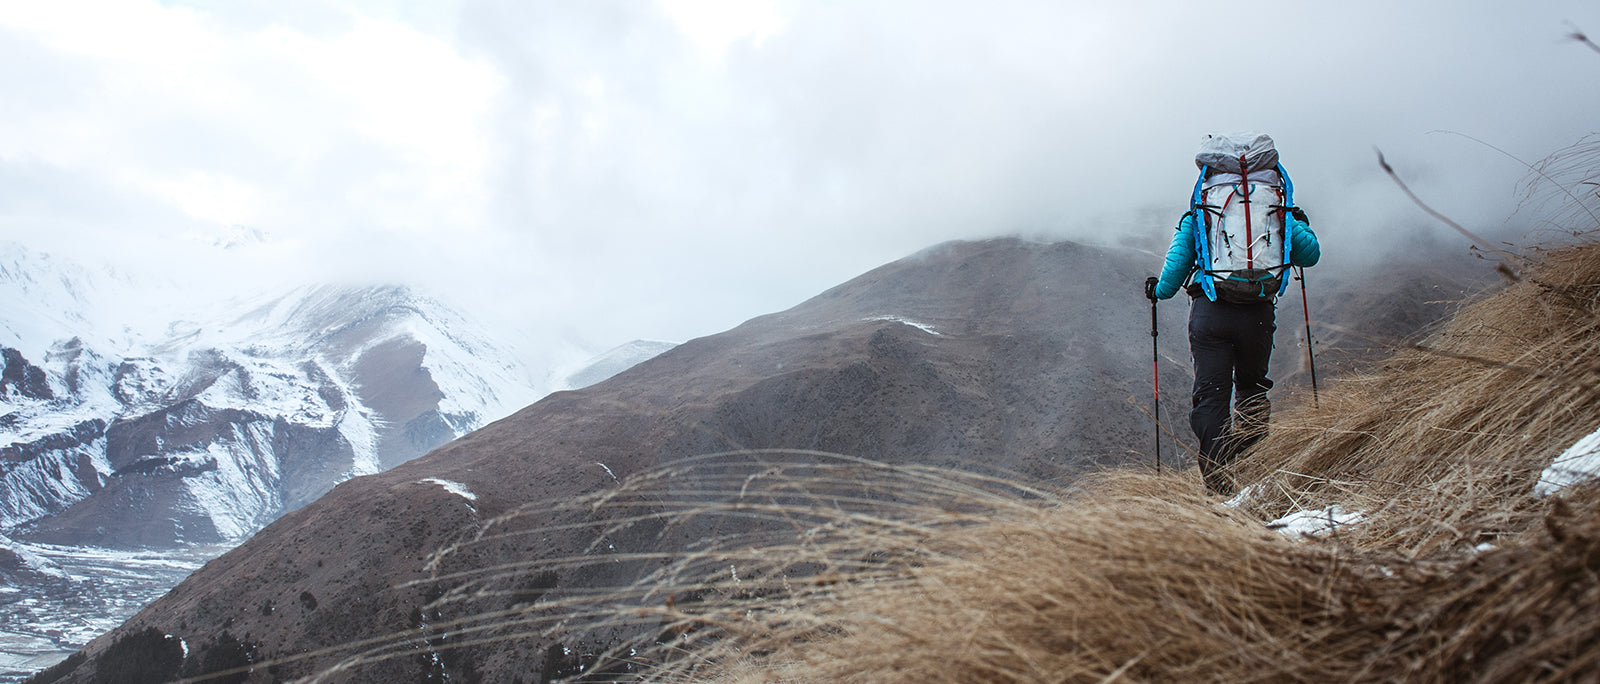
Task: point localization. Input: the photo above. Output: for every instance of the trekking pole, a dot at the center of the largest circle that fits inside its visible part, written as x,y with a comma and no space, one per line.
1310,353
1155,362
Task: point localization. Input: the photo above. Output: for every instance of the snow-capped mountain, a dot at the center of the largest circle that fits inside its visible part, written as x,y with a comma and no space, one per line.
145,428
215,424
614,361
44,299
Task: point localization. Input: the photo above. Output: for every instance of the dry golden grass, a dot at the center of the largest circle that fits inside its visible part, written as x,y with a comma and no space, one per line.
1442,445
1155,589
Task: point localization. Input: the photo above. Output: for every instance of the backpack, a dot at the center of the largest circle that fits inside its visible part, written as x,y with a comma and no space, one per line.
1239,203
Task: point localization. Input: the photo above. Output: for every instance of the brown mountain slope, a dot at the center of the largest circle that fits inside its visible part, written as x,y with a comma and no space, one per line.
1002,355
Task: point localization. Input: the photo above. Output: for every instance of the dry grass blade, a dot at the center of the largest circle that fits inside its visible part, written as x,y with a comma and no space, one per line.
1540,173
1567,180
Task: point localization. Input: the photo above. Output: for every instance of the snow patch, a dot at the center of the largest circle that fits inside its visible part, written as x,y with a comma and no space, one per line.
924,327
361,433
1312,524
240,491
1244,498
455,488
1580,463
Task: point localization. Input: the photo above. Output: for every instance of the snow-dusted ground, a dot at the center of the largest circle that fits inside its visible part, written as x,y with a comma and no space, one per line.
924,327
1318,523
1301,524
1579,463
40,626
453,487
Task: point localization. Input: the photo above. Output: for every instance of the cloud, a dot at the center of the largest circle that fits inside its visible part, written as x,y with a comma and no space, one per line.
625,169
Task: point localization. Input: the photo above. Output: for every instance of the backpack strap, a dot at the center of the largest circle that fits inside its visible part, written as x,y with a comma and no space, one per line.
1202,245
1288,235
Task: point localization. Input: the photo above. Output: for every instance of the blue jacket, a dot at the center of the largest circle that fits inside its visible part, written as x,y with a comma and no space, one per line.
1182,258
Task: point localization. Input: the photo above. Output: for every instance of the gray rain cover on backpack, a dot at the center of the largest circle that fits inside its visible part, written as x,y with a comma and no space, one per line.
1222,153
1245,250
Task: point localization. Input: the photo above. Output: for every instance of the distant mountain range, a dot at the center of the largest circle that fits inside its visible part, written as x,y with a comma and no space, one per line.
134,416
217,427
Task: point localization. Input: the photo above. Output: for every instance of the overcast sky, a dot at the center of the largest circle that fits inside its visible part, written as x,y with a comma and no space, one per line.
667,169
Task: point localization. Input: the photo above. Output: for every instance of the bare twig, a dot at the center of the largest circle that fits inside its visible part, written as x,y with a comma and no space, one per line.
1581,37
1509,273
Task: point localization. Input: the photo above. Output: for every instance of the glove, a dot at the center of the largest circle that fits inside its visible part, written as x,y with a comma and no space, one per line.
1299,214
1150,288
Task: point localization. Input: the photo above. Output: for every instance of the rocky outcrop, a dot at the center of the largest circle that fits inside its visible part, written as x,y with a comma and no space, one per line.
20,378
43,476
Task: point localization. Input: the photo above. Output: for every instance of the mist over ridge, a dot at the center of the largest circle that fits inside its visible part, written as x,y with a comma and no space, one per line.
550,163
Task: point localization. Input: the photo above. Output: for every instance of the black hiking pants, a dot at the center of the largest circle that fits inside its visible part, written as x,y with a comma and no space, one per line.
1231,344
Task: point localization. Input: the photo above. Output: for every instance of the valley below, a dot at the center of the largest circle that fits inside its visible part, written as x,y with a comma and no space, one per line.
95,591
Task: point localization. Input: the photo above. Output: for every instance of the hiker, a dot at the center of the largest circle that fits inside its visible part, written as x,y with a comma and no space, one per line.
1241,235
